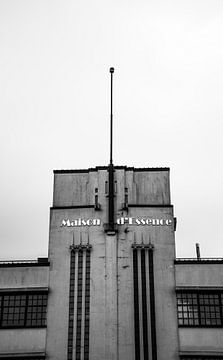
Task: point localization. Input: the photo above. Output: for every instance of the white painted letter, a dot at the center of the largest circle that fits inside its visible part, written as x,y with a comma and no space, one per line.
96,222
65,223
149,221
121,221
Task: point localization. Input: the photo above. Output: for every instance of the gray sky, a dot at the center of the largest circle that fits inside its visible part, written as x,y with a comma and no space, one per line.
54,88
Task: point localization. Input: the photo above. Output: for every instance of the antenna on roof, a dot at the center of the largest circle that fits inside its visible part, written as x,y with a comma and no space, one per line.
111,116
111,223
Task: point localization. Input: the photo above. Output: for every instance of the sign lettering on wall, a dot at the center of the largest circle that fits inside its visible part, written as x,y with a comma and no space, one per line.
143,221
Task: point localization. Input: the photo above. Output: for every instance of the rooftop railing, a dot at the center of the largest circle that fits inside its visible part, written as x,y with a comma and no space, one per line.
13,263
202,260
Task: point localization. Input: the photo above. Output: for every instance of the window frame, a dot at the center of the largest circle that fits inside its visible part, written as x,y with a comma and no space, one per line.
26,305
198,293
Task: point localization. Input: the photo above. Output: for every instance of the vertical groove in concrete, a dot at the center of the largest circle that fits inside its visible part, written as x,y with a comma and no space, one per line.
140,304
152,305
71,307
87,305
136,304
83,302
111,298
117,297
75,304
148,303
144,306
79,305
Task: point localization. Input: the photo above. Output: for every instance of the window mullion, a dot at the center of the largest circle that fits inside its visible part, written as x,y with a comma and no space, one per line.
199,310
2,302
26,309
220,306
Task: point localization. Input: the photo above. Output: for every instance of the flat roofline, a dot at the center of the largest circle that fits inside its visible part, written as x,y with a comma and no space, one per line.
121,167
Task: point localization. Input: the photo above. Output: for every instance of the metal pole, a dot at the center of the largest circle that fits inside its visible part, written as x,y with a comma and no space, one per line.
111,122
111,168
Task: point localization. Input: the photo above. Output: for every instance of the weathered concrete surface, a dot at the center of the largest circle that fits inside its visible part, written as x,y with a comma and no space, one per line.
22,340
144,187
151,187
76,189
199,275
201,339
24,277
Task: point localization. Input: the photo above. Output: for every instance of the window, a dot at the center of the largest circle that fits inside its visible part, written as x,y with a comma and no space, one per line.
23,309
200,308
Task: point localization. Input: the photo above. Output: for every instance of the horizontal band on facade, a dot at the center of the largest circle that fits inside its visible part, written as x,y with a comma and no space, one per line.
199,288
93,206
17,327
126,168
36,289
199,354
150,205
72,207
23,355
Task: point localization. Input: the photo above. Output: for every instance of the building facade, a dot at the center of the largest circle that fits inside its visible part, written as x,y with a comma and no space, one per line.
111,287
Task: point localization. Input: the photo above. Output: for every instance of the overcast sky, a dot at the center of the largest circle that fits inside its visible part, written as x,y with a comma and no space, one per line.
54,89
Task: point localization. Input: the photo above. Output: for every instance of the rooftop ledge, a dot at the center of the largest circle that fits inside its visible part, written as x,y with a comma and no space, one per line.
122,167
200,261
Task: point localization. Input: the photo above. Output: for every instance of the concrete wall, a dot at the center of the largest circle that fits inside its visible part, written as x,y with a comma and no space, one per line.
24,277
111,304
144,187
199,275
22,340
151,187
74,189
201,339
